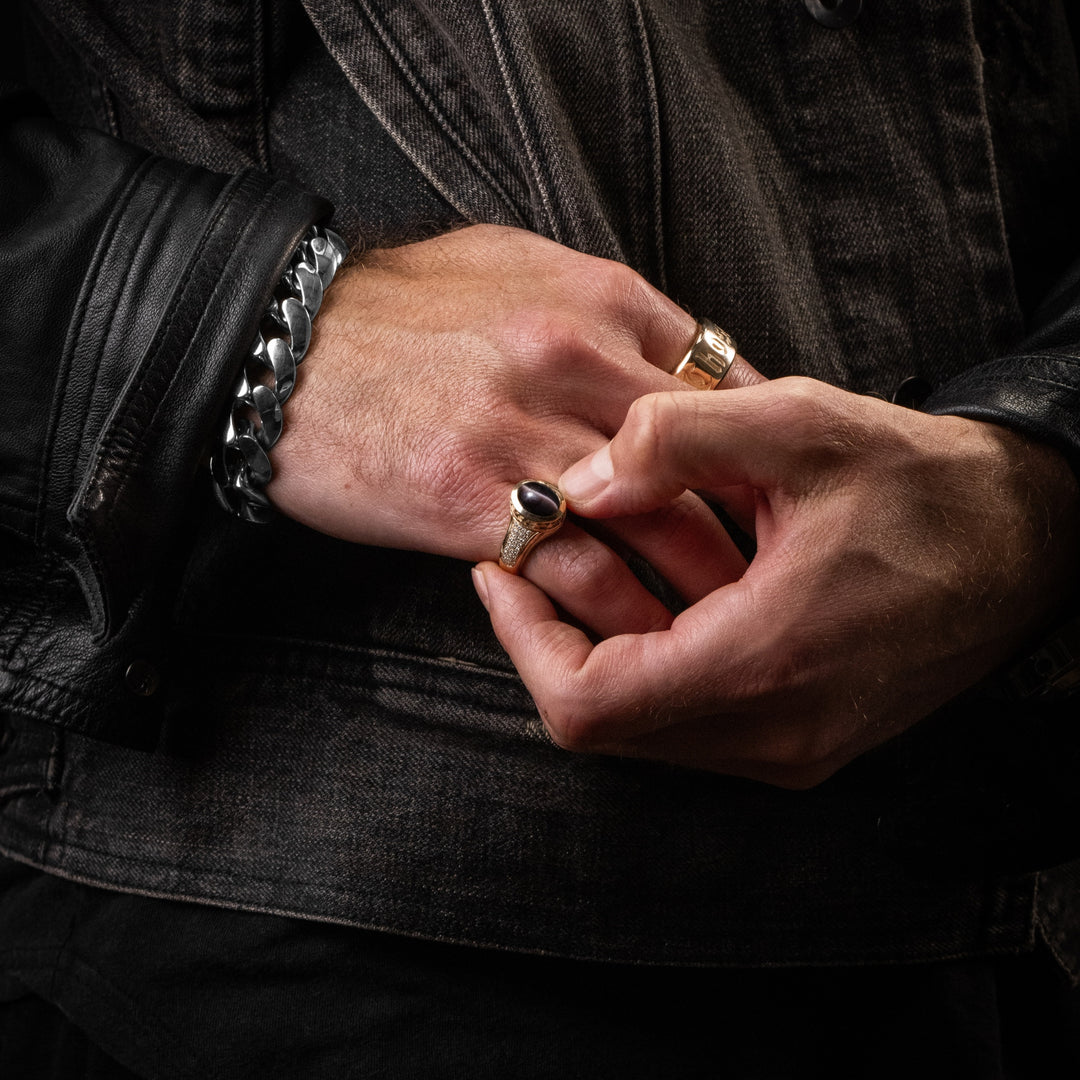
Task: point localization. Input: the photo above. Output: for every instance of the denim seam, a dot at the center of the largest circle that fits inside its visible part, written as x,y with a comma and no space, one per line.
261,118
1067,965
655,139
442,120
25,682
106,54
999,302
287,643
515,96
867,955
300,681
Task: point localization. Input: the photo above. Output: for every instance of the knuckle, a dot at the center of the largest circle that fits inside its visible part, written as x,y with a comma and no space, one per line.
533,332
801,748
805,778
631,293
447,463
540,340
614,284
813,417
568,724
582,711
649,423
800,402
628,300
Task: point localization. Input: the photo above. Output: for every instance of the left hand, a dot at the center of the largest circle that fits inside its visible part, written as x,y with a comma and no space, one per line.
900,558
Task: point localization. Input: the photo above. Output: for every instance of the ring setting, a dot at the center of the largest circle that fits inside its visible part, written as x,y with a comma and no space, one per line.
537,509
709,358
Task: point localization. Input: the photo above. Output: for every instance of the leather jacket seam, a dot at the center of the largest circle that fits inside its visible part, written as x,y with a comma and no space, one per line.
105,341
153,369
74,330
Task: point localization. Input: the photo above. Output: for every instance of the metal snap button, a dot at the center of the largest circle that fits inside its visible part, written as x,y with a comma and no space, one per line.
141,678
834,13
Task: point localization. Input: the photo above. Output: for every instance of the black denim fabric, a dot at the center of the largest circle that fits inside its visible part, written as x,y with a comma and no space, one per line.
859,205
226,996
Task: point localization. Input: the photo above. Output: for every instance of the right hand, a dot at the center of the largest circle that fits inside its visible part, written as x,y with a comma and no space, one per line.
444,372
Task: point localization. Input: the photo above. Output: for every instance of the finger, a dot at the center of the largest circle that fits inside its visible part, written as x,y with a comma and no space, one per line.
602,367
645,696
530,630
570,680
671,442
624,687
666,333
593,585
685,543
739,748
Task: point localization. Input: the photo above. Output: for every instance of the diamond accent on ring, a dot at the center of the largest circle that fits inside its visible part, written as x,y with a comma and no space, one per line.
517,536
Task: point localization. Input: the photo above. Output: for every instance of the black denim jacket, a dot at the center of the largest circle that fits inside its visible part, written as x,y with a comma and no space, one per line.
343,739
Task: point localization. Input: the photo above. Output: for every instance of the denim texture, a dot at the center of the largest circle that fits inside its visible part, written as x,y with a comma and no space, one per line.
274,999
852,205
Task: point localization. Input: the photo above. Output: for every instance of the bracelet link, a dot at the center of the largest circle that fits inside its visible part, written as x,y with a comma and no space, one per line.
240,465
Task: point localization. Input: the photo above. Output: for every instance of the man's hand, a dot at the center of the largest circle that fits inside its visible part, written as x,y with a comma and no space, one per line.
444,372
900,558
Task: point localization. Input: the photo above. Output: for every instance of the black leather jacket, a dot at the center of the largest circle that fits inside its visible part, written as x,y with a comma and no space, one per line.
886,200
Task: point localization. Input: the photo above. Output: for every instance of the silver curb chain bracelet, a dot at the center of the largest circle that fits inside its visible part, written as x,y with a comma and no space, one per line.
240,463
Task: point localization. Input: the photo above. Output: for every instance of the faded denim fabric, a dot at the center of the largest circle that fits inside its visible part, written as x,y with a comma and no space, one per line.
851,204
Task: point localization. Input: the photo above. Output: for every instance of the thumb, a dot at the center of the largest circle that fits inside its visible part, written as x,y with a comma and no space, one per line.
671,442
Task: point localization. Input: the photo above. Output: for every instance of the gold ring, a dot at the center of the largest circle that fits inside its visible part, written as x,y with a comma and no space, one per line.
537,509
709,358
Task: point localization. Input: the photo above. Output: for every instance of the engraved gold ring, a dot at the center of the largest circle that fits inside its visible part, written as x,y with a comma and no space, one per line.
709,358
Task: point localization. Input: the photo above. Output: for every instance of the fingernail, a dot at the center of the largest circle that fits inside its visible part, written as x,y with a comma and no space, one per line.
480,585
588,477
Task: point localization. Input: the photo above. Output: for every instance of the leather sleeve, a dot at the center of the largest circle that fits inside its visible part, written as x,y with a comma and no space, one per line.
132,286
1036,388
1027,815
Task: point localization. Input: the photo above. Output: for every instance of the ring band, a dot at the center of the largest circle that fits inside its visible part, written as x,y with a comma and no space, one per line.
709,358
537,509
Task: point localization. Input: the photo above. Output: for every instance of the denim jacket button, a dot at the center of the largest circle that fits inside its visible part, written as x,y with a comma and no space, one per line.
834,13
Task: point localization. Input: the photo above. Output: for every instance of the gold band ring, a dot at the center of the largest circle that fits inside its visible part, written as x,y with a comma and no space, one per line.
709,358
537,509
